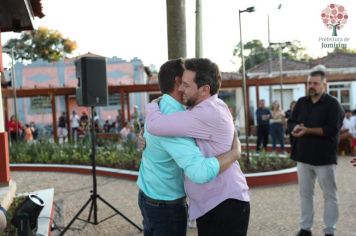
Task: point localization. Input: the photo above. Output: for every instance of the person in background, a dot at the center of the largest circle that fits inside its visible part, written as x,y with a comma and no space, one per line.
11,126
118,124
34,130
96,122
62,130
347,134
107,126
74,122
263,116
136,115
126,130
28,137
277,126
315,123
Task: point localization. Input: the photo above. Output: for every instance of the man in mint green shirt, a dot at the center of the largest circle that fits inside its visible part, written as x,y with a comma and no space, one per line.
166,160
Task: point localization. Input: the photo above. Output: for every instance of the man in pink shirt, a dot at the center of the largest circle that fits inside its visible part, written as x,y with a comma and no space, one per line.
221,207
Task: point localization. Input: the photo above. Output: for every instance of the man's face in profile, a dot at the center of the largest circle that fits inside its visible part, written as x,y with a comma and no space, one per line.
189,88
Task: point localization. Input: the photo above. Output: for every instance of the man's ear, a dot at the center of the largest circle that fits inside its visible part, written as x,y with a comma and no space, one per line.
205,90
177,81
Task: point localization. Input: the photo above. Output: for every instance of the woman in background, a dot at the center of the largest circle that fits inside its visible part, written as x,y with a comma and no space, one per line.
277,126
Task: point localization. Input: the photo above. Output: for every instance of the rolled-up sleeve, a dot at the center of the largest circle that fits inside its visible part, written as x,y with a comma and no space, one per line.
185,152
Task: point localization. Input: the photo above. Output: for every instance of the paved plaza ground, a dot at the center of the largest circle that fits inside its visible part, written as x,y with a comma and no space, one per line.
274,209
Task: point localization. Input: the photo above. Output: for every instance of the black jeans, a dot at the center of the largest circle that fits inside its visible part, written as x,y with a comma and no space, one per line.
262,136
229,218
161,219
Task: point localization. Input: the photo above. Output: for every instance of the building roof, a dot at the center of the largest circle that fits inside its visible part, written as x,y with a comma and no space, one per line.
88,54
288,65
337,60
17,15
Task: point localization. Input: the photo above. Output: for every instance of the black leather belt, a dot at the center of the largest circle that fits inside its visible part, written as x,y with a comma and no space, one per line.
181,200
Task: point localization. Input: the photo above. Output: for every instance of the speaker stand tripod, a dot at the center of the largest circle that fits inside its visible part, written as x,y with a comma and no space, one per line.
94,195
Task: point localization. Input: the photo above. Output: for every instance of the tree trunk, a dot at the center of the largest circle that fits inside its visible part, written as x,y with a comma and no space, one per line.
176,32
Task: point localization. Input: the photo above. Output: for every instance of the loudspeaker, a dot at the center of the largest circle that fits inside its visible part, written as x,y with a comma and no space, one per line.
92,89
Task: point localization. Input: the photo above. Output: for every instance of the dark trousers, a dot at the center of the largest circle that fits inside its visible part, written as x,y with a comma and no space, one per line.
229,218
262,136
161,219
13,137
277,133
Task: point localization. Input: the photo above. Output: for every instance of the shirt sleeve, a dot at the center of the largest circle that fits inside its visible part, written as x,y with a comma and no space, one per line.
191,123
185,152
334,120
292,120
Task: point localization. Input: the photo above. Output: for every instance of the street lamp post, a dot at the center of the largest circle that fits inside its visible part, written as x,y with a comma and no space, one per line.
270,52
244,87
13,81
281,46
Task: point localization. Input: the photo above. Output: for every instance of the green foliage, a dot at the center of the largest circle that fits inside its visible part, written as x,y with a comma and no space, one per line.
45,44
107,155
344,50
126,157
257,53
265,162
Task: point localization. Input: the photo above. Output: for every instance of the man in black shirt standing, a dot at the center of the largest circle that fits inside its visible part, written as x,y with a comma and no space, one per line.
263,116
315,123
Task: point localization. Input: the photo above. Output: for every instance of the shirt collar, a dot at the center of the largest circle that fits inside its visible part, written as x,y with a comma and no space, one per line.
170,100
209,99
322,98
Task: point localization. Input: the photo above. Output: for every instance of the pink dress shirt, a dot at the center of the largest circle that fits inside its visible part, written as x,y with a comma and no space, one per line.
211,124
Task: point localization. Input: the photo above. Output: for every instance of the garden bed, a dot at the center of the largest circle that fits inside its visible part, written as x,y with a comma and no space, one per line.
122,157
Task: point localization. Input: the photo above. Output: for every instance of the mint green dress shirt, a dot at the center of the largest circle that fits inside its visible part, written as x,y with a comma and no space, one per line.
166,160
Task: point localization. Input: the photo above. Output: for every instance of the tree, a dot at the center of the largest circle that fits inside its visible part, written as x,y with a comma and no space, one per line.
258,54
45,44
344,50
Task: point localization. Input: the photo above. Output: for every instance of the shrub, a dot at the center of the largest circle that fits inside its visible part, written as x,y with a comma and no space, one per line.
108,155
123,157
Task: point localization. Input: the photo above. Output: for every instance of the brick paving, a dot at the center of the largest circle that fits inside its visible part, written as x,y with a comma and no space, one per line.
274,210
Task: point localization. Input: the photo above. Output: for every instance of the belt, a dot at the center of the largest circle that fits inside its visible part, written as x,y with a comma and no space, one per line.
181,200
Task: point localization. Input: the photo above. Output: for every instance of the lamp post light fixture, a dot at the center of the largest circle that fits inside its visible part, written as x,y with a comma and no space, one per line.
244,87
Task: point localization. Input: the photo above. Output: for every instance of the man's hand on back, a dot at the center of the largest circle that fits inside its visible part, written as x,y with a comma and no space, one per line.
141,141
236,146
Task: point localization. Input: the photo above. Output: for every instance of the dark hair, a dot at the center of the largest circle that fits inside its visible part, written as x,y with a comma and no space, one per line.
207,73
318,73
167,74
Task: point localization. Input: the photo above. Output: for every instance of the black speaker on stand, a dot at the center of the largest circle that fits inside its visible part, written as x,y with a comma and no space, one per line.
92,91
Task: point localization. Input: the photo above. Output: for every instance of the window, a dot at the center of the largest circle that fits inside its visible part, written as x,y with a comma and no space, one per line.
342,92
40,103
115,98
